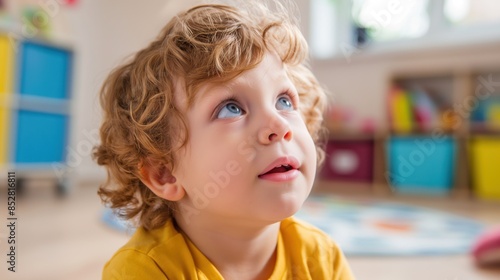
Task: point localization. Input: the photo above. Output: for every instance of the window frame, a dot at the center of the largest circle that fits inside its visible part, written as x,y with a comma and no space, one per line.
441,34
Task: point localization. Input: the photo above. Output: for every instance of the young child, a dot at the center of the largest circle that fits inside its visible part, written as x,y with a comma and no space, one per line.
210,138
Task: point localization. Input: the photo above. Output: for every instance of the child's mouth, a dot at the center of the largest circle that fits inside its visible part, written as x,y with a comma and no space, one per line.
283,169
280,174
279,169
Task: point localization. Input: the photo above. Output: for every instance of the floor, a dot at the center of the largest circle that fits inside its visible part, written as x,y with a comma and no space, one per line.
63,238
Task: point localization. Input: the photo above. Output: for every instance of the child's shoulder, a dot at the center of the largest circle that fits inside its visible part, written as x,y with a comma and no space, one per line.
145,249
303,230
147,241
310,252
300,234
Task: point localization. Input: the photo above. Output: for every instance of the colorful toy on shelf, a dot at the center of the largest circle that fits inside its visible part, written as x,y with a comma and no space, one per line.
368,125
418,109
494,115
424,110
479,113
338,118
487,113
400,110
71,2
37,21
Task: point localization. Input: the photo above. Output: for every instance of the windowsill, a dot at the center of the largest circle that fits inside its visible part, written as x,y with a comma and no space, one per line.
451,41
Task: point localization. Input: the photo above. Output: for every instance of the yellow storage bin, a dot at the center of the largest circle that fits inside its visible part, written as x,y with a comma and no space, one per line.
5,91
485,155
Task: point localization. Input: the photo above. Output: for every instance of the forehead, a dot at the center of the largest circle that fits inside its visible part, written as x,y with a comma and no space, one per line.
270,70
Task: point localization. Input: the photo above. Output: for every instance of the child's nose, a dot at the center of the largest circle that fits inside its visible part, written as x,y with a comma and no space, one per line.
275,129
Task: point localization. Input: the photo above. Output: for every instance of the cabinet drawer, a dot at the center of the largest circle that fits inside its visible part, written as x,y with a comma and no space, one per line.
421,164
44,71
485,156
41,137
348,160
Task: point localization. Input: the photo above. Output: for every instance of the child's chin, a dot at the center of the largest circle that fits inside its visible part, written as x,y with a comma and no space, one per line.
286,210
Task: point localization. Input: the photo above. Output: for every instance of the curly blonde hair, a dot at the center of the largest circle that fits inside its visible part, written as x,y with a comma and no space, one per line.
207,43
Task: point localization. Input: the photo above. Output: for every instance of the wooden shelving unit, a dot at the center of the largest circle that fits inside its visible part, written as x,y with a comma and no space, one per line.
455,167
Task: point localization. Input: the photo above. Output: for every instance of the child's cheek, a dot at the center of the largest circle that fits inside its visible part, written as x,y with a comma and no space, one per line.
308,147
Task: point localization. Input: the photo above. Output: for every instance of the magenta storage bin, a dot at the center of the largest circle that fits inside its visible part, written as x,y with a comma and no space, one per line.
348,160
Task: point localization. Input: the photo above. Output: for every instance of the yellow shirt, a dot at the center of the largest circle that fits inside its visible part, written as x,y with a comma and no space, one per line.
303,252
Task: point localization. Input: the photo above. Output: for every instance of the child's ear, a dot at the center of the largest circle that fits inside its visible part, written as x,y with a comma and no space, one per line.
159,179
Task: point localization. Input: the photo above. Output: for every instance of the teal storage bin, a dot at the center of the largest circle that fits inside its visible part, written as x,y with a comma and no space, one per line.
41,137
421,165
44,71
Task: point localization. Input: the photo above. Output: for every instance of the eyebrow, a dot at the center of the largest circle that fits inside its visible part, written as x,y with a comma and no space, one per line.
209,95
209,90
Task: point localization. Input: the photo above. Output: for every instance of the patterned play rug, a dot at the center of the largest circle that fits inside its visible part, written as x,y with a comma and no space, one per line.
376,228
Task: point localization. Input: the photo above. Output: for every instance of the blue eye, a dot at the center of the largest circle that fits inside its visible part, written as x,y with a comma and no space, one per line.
284,103
230,110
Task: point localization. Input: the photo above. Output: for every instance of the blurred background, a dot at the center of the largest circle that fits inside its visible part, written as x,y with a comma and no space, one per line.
413,120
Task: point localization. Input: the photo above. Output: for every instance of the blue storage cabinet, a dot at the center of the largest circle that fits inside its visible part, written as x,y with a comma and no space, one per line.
421,165
39,112
44,85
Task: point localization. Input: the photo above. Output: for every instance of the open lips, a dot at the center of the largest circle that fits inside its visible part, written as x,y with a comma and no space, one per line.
280,165
279,169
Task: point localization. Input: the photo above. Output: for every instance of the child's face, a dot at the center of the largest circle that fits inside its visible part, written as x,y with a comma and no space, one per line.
238,132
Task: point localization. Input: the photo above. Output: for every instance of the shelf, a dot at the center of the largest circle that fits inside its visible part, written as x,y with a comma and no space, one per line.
16,35
354,135
35,103
426,132
458,164
484,129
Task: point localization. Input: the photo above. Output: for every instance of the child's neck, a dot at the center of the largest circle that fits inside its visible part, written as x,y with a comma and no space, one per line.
238,252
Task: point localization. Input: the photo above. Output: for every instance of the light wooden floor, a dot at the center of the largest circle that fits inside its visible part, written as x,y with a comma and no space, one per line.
65,239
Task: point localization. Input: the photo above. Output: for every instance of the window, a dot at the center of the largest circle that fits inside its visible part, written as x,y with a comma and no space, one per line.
467,12
387,20
323,28
343,27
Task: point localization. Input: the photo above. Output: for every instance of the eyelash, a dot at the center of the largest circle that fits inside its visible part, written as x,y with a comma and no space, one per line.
232,98
223,103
